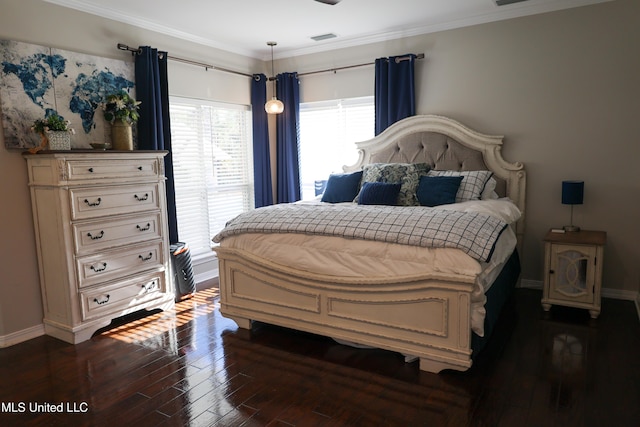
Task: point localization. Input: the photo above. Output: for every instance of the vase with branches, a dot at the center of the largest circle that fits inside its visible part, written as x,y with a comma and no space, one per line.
121,110
120,106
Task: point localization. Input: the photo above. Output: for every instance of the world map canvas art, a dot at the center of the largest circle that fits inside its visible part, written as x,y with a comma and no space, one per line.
38,80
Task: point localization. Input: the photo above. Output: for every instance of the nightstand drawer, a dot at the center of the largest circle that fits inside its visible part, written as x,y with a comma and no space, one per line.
119,298
114,264
98,235
103,201
109,169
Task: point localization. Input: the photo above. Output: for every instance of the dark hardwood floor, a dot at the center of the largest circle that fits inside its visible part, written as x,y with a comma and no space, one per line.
194,367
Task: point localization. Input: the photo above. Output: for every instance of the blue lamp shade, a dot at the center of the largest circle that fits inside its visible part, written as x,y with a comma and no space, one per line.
572,192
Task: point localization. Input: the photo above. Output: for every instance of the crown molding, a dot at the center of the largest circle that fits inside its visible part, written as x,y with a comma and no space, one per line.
498,13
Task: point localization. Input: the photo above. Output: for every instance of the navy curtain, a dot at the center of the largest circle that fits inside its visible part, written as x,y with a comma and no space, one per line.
154,130
394,90
288,166
263,195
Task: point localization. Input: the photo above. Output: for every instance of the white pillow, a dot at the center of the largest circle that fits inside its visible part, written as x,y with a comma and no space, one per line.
472,185
489,192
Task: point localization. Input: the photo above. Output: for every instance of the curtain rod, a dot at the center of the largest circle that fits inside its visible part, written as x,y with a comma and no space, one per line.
398,59
122,46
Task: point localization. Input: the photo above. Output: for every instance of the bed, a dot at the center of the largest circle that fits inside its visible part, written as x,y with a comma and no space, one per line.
438,305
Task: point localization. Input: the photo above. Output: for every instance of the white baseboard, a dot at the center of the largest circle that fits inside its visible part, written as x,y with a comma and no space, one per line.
203,279
606,292
21,336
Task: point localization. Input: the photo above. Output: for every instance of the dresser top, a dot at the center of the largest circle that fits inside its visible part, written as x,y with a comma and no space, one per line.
64,153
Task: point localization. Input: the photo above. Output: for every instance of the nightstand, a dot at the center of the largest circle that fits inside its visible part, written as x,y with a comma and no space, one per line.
573,269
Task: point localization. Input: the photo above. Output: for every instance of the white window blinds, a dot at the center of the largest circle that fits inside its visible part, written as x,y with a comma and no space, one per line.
328,132
213,167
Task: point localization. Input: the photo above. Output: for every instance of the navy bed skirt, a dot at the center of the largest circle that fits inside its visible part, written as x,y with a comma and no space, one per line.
497,296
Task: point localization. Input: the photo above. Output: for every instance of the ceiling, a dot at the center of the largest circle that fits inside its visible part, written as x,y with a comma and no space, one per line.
245,26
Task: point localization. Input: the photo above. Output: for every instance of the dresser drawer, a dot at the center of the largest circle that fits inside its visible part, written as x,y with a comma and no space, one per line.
89,169
117,263
101,234
123,297
105,201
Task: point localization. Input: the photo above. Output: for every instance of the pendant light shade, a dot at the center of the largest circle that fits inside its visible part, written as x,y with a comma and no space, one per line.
274,105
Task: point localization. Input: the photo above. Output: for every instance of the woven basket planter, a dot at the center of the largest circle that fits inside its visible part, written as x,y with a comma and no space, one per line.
59,140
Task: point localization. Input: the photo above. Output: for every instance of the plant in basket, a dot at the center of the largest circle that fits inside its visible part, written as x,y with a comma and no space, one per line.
55,131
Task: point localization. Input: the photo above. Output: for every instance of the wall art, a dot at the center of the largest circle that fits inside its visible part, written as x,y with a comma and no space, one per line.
36,80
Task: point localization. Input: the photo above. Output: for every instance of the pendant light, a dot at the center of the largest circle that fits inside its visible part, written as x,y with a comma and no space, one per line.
274,106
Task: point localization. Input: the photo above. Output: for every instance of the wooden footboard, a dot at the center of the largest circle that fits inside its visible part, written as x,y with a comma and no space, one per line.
423,316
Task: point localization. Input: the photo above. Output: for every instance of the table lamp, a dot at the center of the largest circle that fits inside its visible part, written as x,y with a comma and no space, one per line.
572,194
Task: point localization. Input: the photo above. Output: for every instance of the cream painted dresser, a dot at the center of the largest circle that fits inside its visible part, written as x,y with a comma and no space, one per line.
101,236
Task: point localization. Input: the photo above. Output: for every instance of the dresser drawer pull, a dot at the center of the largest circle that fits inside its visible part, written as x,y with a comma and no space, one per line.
150,287
147,258
91,170
97,236
99,269
139,168
102,302
143,198
145,228
93,204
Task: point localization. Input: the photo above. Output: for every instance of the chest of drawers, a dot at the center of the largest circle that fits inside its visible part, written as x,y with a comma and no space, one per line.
101,236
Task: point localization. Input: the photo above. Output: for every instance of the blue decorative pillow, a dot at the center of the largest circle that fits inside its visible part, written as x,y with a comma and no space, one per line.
342,187
472,185
379,193
438,190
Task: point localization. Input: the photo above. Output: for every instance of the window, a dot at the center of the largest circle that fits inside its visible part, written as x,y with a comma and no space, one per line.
328,132
213,167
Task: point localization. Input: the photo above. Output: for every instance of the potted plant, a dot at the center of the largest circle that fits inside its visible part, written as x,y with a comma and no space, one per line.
55,131
121,110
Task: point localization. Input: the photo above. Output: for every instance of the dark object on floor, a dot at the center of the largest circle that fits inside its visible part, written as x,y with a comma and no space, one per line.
183,280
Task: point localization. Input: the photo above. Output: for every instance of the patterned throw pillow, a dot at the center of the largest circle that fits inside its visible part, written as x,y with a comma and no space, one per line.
472,184
406,174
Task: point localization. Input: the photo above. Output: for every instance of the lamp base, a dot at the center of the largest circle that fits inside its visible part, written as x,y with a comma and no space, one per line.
571,228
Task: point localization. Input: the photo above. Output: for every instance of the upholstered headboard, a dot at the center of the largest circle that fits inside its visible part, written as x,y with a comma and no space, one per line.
446,144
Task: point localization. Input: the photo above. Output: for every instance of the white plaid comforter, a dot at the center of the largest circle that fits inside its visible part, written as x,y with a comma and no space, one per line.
474,233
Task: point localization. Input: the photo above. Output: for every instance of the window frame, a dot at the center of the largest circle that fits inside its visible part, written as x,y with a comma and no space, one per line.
340,109
200,255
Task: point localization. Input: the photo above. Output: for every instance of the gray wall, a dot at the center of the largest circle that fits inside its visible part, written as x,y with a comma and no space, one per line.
563,88
39,22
